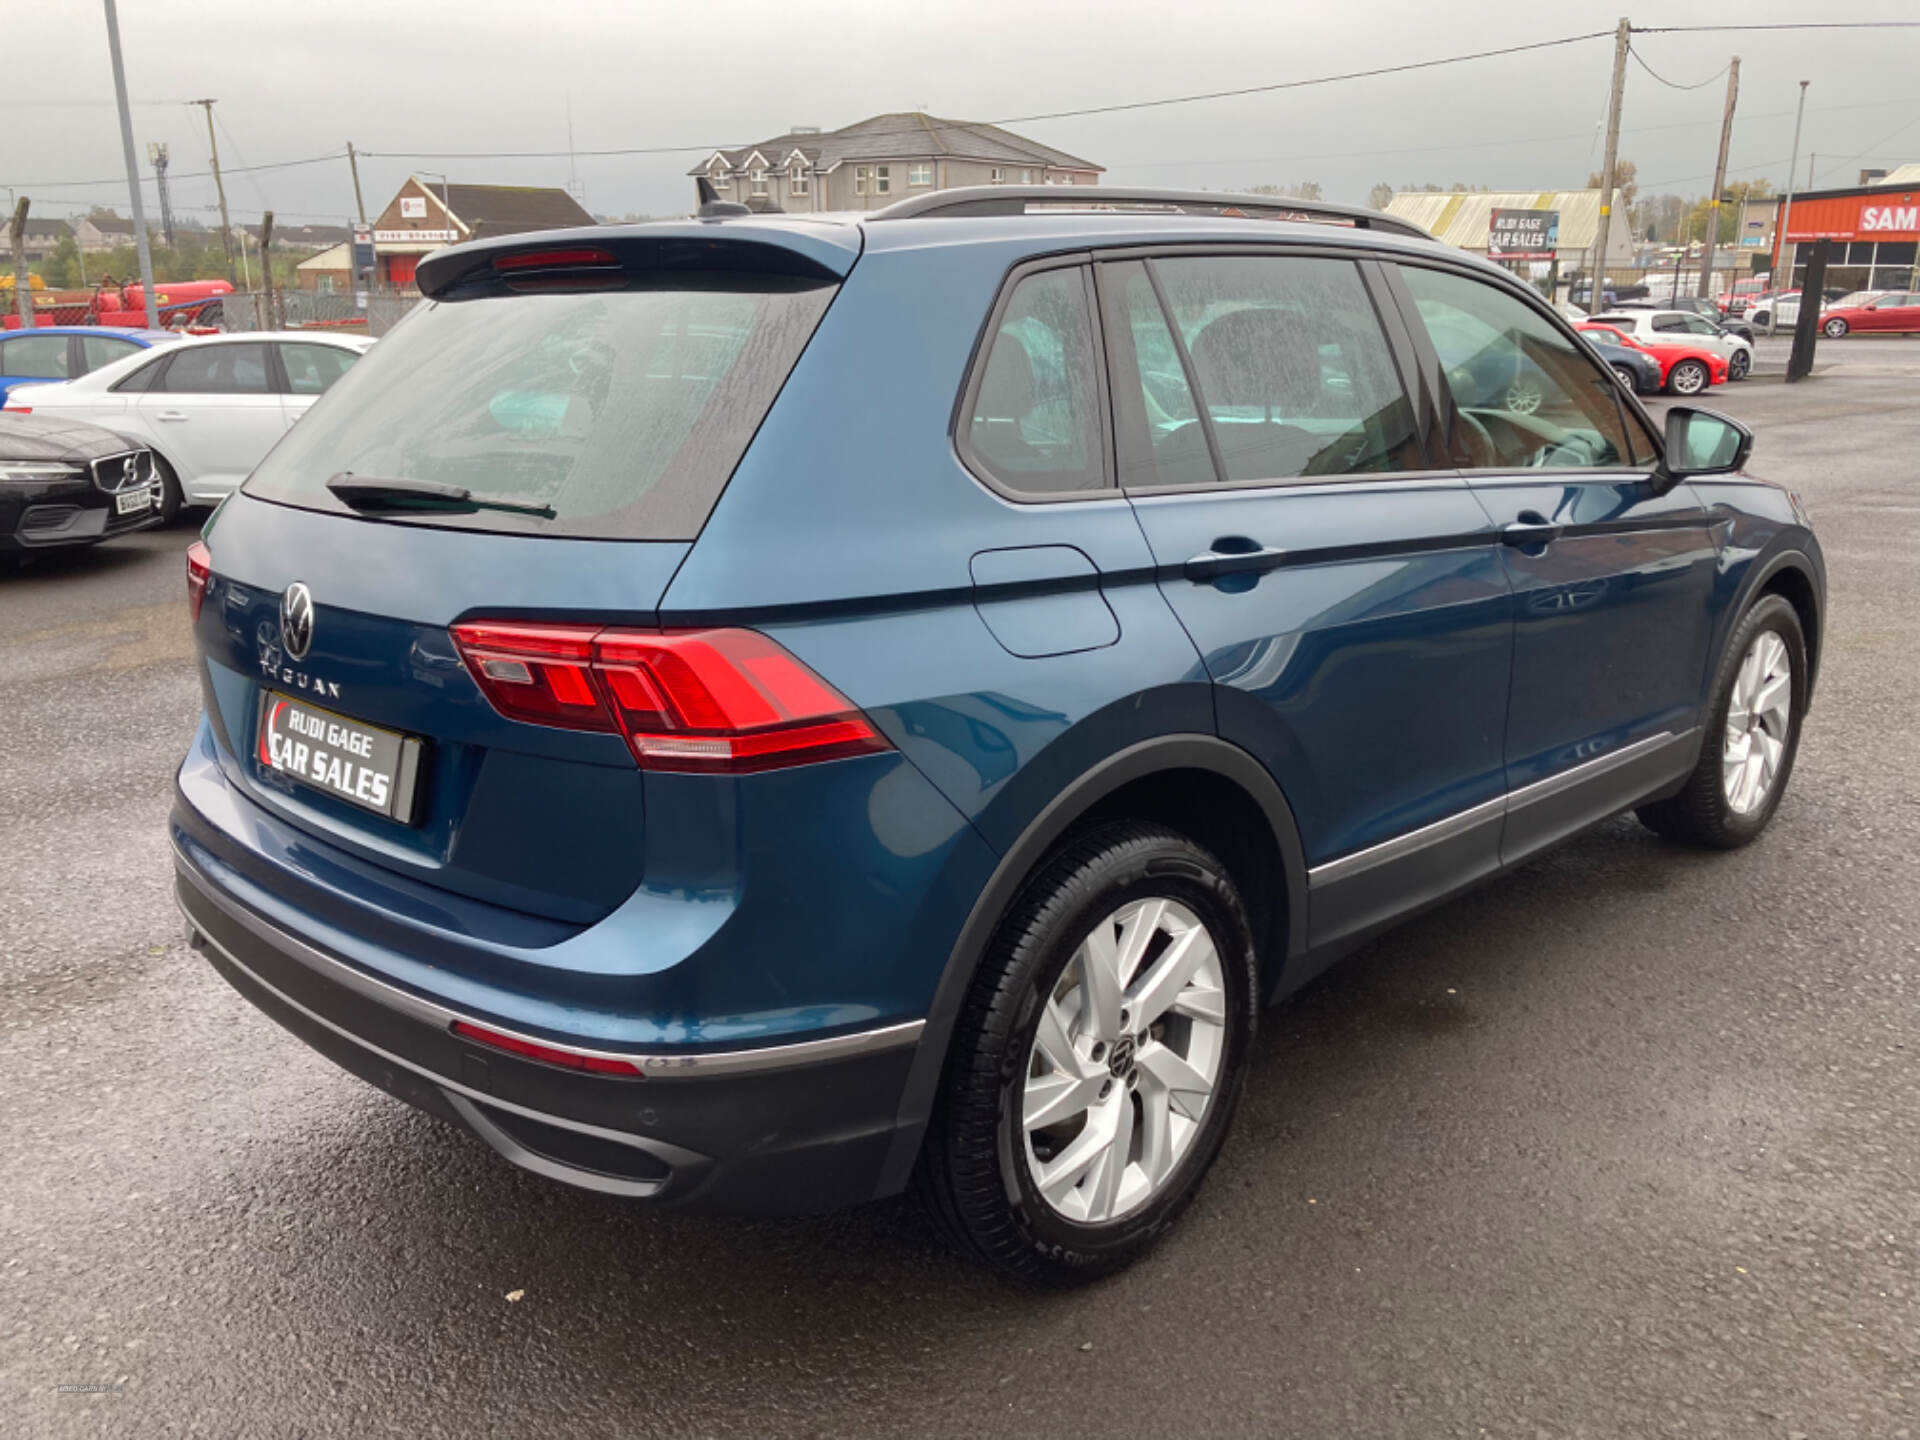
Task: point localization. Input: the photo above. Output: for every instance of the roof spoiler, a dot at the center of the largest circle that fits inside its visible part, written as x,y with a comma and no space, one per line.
978,200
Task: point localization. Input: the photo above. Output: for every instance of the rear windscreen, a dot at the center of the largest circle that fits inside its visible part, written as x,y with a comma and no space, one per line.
624,412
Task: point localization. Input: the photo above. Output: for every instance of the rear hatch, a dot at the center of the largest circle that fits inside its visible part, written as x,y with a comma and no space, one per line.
537,444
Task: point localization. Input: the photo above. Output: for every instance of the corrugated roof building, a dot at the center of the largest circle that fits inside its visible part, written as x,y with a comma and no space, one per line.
1463,219
1906,176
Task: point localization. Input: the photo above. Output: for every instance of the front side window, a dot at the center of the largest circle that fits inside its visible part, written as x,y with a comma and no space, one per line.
43,357
920,175
312,369
1526,395
1294,374
217,370
1035,421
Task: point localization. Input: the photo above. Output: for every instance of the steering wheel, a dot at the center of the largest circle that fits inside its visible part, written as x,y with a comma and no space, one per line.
1485,454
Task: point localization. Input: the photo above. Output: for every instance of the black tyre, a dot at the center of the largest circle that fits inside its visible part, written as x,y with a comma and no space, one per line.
1739,364
1096,1064
1628,378
1689,377
172,498
1752,735
1835,328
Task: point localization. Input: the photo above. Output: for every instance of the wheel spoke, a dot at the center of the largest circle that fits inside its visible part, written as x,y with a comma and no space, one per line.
1153,992
1100,972
1185,1086
1110,1170
1058,1178
1202,1002
1056,1097
1053,1040
1136,935
1772,694
1156,1133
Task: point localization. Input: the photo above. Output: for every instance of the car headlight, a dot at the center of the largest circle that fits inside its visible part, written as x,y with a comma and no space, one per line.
42,470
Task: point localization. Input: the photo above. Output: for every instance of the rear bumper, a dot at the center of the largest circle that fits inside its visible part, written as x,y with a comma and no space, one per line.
778,1129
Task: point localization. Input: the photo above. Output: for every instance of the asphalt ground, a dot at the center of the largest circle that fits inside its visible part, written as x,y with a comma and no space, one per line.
1624,1144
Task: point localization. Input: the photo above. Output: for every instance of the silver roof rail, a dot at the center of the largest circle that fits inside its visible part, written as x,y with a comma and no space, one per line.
977,200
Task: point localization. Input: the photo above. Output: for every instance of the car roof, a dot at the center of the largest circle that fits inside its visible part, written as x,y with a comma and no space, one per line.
118,332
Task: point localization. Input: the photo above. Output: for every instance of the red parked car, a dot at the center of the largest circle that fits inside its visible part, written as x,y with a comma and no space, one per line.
1734,301
1887,310
1685,368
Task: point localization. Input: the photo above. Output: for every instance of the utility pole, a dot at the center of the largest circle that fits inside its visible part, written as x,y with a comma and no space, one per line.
22,286
353,164
1719,179
133,168
157,157
219,186
1622,37
1786,215
266,269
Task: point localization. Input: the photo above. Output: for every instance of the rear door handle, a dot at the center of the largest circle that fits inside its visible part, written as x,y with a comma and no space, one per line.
1215,563
171,415
1532,528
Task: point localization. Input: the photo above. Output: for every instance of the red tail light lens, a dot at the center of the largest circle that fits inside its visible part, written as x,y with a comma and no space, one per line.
199,572
712,700
551,1054
554,259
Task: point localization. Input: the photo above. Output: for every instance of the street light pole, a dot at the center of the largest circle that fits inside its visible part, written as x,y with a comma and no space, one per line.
133,169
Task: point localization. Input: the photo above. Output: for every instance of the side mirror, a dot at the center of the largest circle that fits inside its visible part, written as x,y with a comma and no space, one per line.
1701,442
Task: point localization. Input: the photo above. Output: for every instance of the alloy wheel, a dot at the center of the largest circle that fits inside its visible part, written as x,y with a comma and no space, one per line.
1835,328
1125,1062
1739,365
1523,396
1627,378
1689,378
1758,715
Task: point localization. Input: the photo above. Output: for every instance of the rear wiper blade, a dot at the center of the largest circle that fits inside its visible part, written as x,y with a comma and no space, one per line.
363,492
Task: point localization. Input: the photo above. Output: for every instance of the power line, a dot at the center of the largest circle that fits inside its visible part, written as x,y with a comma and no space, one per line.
181,174
1674,84
1791,25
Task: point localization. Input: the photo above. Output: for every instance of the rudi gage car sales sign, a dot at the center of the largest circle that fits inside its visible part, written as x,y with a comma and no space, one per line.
1524,235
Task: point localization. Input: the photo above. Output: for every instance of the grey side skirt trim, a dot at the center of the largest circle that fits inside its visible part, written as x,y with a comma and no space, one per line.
660,1065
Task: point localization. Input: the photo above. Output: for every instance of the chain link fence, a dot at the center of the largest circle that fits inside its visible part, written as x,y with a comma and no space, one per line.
312,310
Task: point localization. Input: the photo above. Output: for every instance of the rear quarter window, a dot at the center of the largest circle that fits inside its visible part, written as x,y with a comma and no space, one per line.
624,411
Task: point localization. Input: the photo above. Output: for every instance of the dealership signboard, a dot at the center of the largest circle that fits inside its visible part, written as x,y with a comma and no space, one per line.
1524,235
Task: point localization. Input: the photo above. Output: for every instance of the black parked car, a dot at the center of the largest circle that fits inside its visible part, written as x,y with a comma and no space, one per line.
1637,370
67,483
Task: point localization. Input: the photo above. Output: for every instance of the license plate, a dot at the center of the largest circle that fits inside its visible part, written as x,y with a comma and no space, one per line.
132,502
350,760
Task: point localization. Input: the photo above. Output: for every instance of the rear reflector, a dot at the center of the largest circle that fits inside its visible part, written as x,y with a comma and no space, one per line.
704,700
551,1054
199,571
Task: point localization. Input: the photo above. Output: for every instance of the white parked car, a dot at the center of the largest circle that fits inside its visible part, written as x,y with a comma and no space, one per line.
1669,325
208,408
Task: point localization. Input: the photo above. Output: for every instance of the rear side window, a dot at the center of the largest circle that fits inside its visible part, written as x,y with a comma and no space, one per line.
312,369
44,357
97,350
1035,421
217,370
623,411
1293,371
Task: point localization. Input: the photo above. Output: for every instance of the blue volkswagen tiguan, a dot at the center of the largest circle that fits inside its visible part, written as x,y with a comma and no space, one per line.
764,711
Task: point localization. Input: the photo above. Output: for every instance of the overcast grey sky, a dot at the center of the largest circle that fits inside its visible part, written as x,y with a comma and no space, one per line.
299,80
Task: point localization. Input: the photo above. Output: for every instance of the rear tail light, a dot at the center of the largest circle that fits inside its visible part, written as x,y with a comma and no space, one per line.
199,571
703,700
551,1054
12,409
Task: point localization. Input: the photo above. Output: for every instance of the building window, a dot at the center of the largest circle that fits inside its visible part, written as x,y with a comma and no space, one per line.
721,180
882,183
919,175
797,183
859,179
1026,177
999,176
757,180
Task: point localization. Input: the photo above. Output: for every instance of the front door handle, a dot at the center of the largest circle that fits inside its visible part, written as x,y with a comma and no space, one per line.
1532,528
1215,563
172,415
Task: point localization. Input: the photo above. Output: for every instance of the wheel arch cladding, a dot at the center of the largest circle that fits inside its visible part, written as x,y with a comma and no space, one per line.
1791,582
1202,780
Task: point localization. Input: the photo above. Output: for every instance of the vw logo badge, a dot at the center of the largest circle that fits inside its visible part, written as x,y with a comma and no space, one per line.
296,620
